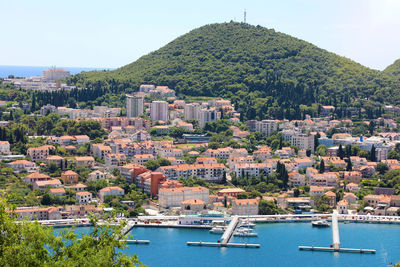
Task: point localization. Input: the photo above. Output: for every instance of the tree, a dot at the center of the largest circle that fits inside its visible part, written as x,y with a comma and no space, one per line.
30,243
322,166
296,192
340,152
164,162
152,165
349,166
321,150
268,208
382,167
223,181
373,154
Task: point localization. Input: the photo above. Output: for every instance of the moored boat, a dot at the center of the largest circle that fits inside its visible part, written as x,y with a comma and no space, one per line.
320,223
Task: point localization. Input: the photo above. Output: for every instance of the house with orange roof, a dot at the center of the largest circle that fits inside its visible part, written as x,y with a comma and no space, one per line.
303,163
4,147
42,185
101,150
85,161
51,213
317,191
69,177
245,206
39,153
225,152
325,179
230,192
232,161
206,160
115,160
352,176
141,159
23,165
350,197
332,198
342,206
35,177
57,192
79,187
263,153
110,191
83,197
59,161
352,187
173,197
296,179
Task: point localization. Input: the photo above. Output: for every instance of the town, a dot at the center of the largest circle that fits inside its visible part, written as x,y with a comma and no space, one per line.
160,155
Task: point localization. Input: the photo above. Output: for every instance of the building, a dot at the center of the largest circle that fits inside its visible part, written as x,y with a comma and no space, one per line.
193,206
131,171
331,198
84,197
23,165
110,191
47,109
54,74
249,169
69,177
96,175
303,141
207,115
57,192
4,147
150,182
159,111
266,127
51,213
145,88
85,161
35,177
342,207
141,159
230,192
134,106
42,185
115,160
192,111
39,153
173,197
245,207
207,172
59,161
296,179
101,150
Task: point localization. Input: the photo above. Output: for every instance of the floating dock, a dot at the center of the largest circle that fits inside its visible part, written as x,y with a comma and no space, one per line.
336,242
216,244
351,250
229,230
138,242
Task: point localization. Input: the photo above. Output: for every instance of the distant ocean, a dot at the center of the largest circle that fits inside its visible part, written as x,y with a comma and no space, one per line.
28,71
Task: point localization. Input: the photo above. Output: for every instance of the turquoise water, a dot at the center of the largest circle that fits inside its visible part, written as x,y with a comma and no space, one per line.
279,246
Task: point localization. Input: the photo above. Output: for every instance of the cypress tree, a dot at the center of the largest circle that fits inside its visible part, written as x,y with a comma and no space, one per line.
322,166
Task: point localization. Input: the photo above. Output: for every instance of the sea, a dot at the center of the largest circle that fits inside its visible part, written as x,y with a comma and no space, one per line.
28,71
279,246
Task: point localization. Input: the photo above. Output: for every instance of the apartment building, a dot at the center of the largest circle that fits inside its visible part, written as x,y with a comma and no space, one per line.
173,197
23,165
192,111
207,172
150,182
84,197
225,153
4,147
110,191
245,207
249,169
159,111
39,153
100,150
115,160
303,141
141,159
134,105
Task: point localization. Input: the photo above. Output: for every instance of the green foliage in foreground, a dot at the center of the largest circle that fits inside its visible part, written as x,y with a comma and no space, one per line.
32,244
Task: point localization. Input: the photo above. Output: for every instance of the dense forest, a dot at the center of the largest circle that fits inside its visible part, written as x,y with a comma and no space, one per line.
394,69
265,73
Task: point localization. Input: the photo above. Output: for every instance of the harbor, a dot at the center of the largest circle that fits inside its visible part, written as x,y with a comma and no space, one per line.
279,245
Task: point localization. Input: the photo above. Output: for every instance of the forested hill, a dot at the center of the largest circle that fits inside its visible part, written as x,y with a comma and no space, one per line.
273,72
394,69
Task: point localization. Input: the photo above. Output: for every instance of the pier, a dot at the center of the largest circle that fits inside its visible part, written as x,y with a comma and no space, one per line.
226,236
335,247
229,230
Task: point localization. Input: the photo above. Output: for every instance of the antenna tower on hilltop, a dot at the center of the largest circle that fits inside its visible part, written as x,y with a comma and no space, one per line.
244,16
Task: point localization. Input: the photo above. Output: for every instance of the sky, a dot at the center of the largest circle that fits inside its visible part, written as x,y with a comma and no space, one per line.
113,33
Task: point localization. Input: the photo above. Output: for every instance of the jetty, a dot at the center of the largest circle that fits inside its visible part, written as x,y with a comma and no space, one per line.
226,237
336,242
229,230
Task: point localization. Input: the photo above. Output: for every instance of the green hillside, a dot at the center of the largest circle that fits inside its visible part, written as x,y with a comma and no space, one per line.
394,69
272,71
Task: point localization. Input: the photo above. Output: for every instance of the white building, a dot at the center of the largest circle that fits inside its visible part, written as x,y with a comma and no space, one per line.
159,111
207,115
172,197
84,197
96,175
192,111
134,106
110,191
303,141
245,207
55,74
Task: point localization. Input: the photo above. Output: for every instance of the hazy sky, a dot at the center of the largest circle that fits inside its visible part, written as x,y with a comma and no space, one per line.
113,33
